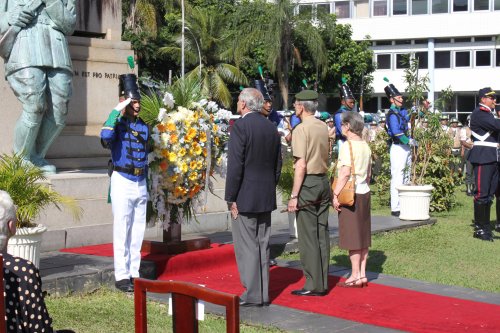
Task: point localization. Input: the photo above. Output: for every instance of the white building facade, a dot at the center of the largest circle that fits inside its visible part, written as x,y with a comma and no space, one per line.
455,40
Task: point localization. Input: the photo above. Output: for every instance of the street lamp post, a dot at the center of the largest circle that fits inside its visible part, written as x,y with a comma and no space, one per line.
182,40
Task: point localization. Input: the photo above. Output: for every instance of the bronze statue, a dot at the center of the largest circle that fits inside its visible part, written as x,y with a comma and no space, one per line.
38,68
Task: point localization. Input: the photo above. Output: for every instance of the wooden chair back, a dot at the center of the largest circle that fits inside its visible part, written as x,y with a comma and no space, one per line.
184,298
3,323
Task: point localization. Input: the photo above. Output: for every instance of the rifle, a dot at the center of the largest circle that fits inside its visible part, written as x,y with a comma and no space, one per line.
8,39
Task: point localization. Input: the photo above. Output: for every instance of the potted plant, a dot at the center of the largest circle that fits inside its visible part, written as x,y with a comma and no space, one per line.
28,187
285,186
431,156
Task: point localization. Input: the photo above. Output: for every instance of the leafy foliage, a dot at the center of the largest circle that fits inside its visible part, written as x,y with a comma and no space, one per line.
285,185
29,190
381,172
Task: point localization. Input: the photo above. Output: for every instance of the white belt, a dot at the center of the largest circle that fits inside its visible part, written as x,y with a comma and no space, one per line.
486,144
481,137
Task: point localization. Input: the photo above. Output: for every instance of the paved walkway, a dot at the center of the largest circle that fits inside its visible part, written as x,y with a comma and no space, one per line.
64,273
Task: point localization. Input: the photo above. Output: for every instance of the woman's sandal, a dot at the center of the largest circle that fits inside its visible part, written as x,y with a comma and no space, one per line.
350,284
364,281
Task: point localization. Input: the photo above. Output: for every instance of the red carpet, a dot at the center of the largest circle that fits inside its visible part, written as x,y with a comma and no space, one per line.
376,305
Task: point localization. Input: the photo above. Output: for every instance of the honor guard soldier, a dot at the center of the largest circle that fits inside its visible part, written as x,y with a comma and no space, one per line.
127,136
270,113
347,102
397,128
484,159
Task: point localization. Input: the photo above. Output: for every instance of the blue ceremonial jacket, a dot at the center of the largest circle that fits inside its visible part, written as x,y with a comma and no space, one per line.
482,122
397,123
338,122
128,141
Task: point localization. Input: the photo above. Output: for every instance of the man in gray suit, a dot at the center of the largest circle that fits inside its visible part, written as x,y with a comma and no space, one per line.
252,175
38,68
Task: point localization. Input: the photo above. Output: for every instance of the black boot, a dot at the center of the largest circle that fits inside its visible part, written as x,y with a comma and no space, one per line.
482,222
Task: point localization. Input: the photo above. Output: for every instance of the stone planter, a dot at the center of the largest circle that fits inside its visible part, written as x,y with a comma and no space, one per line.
414,201
26,243
292,225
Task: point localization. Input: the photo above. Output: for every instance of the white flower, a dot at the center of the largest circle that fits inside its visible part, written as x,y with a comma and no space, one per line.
168,100
161,114
212,106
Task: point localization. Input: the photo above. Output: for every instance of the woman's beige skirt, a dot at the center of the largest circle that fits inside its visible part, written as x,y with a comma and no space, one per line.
355,224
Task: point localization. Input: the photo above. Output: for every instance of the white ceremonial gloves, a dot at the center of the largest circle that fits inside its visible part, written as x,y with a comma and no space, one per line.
122,105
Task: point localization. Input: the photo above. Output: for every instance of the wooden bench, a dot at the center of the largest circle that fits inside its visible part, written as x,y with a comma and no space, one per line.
184,298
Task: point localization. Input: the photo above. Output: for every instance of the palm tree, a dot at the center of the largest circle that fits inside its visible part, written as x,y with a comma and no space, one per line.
206,43
281,31
142,15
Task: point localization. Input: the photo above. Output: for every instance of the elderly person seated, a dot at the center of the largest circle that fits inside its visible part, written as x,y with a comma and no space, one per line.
25,309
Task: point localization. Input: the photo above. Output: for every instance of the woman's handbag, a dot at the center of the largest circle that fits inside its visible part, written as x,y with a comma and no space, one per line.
347,196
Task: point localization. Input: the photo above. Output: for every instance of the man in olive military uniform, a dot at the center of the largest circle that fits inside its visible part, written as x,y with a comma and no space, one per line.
310,197
485,129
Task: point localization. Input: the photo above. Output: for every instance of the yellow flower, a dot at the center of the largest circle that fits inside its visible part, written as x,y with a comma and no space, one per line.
199,165
193,176
172,157
173,138
170,126
179,191
173,179
184,167
182,152
164,153
203,137
196,149
216,140
192,165
215,128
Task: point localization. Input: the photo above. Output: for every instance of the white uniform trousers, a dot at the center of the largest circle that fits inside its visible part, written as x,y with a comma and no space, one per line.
400,171
128,200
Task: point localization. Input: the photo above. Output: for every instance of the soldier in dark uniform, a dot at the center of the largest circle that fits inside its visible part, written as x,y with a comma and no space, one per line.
397,128
126,136
347,102
485,129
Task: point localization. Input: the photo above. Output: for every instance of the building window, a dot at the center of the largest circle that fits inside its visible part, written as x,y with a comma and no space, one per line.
462,59
465,103
305,10
342,9
383,61
460,5
383,42
497,56
442,59
362,8
497,4
420,41
419,7
380,8
461,40
402,42
399,7
482,39
481,4
483,58
422,57
442,40
322,9
401,61
439,6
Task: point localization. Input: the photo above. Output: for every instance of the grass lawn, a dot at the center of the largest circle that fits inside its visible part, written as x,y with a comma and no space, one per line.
107,311
442,253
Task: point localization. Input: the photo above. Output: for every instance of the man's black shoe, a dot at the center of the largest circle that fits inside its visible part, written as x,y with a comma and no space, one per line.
303,292
395,214
125,286
248,304
497,227
483,235
273,262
